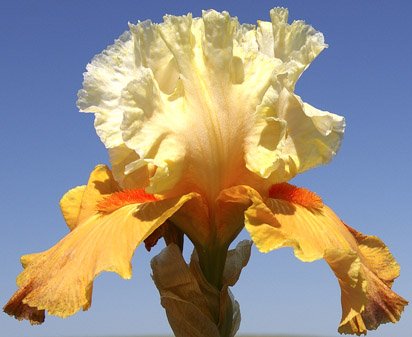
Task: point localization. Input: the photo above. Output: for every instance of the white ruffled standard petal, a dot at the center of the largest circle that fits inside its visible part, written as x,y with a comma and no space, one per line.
104,81
291,137
313,136
203,104
297,44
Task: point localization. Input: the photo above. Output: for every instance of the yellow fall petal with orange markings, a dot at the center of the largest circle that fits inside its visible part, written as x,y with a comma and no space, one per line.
363,264
60,279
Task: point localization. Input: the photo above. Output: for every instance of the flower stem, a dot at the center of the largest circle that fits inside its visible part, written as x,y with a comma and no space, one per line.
212,262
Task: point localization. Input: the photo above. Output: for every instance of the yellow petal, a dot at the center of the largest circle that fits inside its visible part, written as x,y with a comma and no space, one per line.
218,226
59,280
378,270
264,145
15,307
229,215
101,183
80,203
70,206
363,265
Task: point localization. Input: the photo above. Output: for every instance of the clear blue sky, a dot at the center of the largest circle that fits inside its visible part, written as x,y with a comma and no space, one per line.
47,147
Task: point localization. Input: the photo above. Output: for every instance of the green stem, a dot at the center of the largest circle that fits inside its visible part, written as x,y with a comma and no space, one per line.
212,260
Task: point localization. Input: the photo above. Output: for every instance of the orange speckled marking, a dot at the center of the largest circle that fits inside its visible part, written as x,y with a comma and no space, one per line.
117,200
295,195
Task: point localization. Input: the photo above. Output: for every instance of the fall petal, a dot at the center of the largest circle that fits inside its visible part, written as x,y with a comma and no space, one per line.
15,307
381,269
59,280
363,265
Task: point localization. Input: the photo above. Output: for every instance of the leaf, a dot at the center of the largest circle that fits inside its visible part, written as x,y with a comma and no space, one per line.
195,308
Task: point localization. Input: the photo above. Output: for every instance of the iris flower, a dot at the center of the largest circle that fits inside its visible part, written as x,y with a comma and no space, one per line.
204,131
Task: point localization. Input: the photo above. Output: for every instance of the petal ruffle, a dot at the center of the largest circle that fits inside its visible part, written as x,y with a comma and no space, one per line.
291,137
363,264
103,84
59,280
296,44
380,304
158,84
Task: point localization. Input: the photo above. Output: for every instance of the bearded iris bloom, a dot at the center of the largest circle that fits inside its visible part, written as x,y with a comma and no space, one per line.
204,131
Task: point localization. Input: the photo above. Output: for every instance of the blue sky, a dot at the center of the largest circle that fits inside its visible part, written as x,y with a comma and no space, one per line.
47,147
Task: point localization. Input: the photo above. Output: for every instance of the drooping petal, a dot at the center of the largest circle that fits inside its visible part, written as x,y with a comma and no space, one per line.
363,264
381,304
108,228
57,279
